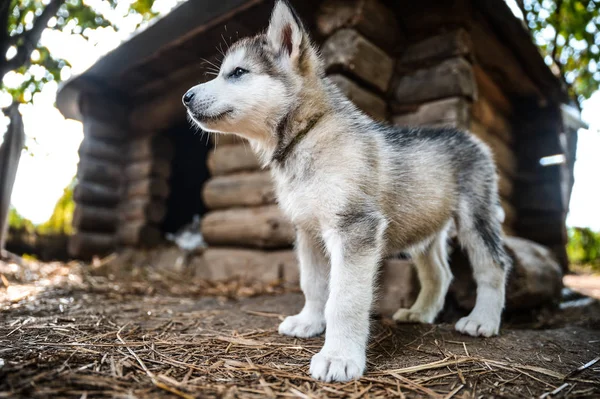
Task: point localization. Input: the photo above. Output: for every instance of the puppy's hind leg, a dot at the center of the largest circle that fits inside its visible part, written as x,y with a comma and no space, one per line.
480,235
314,274
434,276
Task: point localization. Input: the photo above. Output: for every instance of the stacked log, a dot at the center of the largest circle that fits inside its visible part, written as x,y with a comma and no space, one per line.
146,175
437,84
360,38
99,177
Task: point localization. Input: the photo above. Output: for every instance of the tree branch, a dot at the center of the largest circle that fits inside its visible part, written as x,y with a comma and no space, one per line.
31,38
555,41
521,4
4,35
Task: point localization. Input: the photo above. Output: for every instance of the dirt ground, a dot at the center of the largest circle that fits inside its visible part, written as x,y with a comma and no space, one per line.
66,332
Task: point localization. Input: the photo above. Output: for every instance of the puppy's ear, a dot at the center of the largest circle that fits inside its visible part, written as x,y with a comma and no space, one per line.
285,31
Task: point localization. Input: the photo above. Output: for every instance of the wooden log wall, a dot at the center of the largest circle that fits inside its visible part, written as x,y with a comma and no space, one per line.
99,176
438,82
123,181
542,191
359,38
146,175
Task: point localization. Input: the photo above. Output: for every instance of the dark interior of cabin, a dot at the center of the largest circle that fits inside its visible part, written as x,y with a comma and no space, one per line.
188,175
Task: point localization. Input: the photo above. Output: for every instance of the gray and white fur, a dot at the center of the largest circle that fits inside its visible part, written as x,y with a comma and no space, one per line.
356,190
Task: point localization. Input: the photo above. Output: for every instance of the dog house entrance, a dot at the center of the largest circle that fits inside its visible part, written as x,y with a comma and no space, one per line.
188,175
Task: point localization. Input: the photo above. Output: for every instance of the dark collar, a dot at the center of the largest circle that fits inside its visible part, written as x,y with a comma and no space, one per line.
282,153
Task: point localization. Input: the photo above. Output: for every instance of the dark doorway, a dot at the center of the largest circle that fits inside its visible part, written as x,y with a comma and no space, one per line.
188,175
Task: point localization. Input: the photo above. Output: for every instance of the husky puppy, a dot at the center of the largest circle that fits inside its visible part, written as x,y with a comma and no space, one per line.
356,190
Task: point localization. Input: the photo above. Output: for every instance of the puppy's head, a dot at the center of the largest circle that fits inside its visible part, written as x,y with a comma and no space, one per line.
260,79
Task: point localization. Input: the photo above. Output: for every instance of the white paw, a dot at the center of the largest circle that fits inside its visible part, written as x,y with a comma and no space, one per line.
302,325
477,325
337,366
413,316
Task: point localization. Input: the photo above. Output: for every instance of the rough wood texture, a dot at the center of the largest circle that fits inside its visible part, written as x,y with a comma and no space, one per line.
242,189
145,169
488,89
159,112
435,49
103,130
370,103
503,156
453,111
450,78
153,146
94,218
147,188
501,63
85,244
143,209
535,279
263,227
225,263
493,120
102,149
97,171
350,52
371,18
232,158
105,107
96,194
139,233
419,20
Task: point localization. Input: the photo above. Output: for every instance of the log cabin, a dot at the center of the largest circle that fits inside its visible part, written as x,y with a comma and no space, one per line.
145,172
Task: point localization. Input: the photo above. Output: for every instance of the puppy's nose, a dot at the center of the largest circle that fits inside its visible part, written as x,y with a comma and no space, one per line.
187,97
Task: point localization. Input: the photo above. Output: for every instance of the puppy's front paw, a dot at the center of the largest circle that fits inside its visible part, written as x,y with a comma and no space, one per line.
413,316
337,366
302,325
478,325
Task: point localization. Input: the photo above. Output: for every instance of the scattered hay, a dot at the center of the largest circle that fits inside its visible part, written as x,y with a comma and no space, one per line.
78,335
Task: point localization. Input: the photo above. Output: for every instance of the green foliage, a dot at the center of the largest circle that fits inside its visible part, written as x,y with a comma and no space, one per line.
568,33
18,222
73,16
61,220
584,247
59,223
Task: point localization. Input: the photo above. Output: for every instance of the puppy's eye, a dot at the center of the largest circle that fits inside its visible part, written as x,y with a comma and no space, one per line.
237,72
